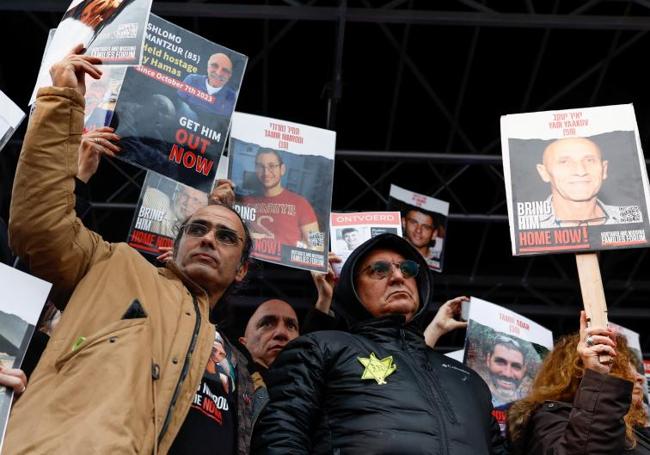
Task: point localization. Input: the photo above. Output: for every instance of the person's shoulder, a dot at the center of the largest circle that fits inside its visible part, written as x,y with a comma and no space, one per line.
194,78
324,340
229,92
620,213
295,197
455,368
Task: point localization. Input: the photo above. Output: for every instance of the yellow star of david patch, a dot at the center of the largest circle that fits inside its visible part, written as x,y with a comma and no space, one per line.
377,369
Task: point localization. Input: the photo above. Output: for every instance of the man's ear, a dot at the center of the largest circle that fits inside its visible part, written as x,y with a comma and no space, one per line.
605,162
283,169
241,272
242,341
543,173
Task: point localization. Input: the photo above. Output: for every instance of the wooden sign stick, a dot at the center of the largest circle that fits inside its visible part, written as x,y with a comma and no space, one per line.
593,294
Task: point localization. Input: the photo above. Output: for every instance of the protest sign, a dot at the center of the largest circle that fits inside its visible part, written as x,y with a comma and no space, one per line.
10,118
174,111
101,97
576,180
113,31
349,230
424,222
163,205
505,349
283,174
21,303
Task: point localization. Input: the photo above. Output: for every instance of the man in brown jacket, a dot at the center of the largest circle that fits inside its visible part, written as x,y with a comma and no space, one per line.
124,370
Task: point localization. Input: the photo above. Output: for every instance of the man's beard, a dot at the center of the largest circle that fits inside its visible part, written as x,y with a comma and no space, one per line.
501,393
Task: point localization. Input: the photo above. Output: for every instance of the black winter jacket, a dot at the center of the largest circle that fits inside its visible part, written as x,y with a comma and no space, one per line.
592,424
320,402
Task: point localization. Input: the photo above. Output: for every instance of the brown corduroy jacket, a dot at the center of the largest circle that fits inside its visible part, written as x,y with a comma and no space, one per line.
121,369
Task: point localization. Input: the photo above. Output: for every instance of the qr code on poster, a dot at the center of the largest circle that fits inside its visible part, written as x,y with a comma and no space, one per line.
630,214
316,239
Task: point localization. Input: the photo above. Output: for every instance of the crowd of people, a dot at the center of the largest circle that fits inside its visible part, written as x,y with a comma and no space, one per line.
136,362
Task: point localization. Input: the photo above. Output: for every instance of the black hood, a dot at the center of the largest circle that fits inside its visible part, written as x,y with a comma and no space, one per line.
346,301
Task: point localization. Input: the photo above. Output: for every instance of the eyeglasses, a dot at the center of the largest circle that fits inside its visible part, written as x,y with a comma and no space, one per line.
414,223
270,167
381,269
222,235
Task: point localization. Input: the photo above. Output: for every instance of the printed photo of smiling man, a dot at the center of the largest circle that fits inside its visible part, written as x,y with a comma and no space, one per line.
575,189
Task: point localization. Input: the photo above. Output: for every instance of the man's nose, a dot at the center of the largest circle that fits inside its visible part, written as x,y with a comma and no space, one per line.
580,168
209,239
281,333
395,276
508,372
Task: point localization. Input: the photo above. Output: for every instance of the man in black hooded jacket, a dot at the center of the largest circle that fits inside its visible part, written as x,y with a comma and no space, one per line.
377,389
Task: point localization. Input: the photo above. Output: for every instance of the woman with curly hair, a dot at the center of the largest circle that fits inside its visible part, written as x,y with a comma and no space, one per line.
579,405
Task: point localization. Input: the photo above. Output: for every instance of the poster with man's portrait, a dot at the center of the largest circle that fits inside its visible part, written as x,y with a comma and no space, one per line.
283,174
576,180
173,112
349,230
163,206
112,30
505,349
424,223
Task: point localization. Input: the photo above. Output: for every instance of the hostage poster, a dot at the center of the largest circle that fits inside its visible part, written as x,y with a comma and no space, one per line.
505,349
283,174
21,303
101,94
111,30
576,180
424,223
173,112
349,230
163,205
10,118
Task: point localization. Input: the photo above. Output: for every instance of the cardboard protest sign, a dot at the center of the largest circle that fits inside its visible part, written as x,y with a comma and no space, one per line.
21,303
163,205
174,111
349,230
505,349
424,223
576,180
283,173
113,31
10,118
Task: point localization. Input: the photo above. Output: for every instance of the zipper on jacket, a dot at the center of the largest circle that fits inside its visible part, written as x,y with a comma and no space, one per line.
434,399
184,371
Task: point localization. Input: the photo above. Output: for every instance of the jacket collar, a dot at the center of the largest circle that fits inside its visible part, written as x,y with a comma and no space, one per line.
172,271
391,326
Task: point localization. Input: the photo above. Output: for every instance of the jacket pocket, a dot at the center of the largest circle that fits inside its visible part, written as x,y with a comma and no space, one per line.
110,333
106,383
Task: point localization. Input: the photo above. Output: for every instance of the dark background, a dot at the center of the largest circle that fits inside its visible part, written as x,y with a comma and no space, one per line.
414,90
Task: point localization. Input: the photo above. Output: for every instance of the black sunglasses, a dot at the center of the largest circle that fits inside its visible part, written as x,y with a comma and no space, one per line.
379,270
